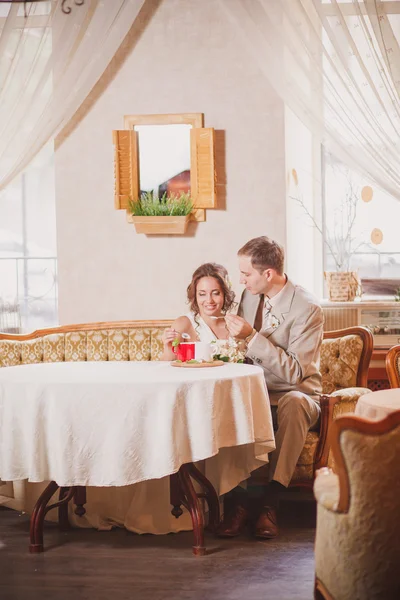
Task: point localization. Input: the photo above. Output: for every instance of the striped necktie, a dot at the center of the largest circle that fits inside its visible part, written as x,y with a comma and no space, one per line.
267,314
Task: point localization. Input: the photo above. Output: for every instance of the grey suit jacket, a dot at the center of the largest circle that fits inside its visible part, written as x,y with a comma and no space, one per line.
289,351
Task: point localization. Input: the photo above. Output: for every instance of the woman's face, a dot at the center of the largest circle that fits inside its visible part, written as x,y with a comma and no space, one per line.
209,296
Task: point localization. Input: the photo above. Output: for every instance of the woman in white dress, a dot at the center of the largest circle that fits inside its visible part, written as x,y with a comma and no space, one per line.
210,298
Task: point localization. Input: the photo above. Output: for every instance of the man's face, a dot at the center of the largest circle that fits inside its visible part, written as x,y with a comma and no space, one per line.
255,282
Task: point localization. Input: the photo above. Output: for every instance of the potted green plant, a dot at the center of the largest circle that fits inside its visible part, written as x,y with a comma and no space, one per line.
166,215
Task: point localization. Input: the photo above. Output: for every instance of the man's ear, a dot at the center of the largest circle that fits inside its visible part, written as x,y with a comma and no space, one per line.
268,274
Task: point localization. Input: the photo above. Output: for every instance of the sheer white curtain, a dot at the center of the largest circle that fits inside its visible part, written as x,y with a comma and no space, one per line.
336,64
49,62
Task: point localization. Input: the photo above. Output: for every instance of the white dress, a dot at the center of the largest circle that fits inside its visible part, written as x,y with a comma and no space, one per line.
144,507
204,333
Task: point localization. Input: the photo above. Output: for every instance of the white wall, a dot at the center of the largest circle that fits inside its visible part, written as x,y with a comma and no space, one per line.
188,60
304,243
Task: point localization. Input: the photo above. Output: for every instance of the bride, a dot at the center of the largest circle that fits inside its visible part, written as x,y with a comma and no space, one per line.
210,298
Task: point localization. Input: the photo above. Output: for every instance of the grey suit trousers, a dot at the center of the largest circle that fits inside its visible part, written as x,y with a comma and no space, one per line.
295,414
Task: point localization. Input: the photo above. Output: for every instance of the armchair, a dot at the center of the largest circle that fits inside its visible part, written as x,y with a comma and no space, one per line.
393,366
345,358
358,529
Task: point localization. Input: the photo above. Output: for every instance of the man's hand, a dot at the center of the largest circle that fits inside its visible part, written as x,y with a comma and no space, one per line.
238,327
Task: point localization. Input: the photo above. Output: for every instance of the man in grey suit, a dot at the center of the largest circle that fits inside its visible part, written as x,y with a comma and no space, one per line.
282,326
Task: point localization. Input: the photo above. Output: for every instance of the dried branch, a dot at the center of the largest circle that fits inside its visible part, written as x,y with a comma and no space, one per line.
340,241
319,229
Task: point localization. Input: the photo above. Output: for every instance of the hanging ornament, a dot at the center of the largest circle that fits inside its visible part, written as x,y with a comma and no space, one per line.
367,193
376,236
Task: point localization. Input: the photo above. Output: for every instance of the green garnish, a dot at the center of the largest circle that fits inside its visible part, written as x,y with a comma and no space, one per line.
191,362
175,343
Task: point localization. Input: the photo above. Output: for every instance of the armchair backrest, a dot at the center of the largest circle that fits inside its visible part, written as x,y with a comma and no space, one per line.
345,358
366,455
393,366
357,550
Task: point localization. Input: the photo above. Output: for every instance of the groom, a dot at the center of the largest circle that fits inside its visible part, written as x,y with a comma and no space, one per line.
281,325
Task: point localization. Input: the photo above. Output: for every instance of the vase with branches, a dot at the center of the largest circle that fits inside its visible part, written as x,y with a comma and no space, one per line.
340,238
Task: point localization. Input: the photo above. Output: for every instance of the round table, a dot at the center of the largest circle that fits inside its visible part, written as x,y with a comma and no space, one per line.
81,424
378,405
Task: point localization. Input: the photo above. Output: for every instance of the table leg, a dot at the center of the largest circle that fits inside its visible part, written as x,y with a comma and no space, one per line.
37,518
80,500
194,508
210,496
176,496
63,521
41,509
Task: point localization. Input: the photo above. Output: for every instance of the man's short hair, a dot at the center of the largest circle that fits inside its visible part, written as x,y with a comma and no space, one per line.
264,254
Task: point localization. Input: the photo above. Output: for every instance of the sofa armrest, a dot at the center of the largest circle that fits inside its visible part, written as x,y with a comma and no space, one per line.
326,489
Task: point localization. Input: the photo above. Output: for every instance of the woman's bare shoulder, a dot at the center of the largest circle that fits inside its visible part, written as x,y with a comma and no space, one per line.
182,323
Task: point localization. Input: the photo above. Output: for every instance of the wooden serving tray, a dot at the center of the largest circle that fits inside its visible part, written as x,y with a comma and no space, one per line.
214,363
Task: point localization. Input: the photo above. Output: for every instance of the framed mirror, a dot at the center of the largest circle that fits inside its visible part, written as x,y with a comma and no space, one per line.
169,153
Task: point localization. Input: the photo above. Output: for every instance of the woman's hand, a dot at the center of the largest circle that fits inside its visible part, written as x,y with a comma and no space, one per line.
169,336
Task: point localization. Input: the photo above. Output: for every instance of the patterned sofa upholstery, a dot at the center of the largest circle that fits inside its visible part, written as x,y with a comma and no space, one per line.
345,359
127,340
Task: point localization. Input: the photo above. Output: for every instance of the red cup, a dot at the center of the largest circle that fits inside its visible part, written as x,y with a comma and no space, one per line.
185,351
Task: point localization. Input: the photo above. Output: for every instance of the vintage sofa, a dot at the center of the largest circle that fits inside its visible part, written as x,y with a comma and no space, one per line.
345,359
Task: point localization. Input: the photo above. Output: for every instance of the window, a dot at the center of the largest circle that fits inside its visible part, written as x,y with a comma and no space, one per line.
361,229
28,261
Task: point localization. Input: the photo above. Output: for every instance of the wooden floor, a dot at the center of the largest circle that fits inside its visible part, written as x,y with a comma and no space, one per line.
118,565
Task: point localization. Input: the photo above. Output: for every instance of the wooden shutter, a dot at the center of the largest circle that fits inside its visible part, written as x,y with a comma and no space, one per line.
126,167
202,168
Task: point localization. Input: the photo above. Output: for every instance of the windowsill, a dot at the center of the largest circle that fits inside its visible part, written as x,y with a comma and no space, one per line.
384,301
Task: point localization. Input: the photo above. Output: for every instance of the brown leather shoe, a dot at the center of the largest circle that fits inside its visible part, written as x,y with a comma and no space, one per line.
234,522
267,524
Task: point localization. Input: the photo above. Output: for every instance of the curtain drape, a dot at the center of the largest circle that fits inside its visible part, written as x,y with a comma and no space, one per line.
336,65
49,62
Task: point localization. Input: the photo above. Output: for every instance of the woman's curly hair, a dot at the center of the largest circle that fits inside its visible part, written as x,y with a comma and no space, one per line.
221,275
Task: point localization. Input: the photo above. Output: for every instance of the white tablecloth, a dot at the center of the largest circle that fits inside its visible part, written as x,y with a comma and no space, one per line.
378,405
122,423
